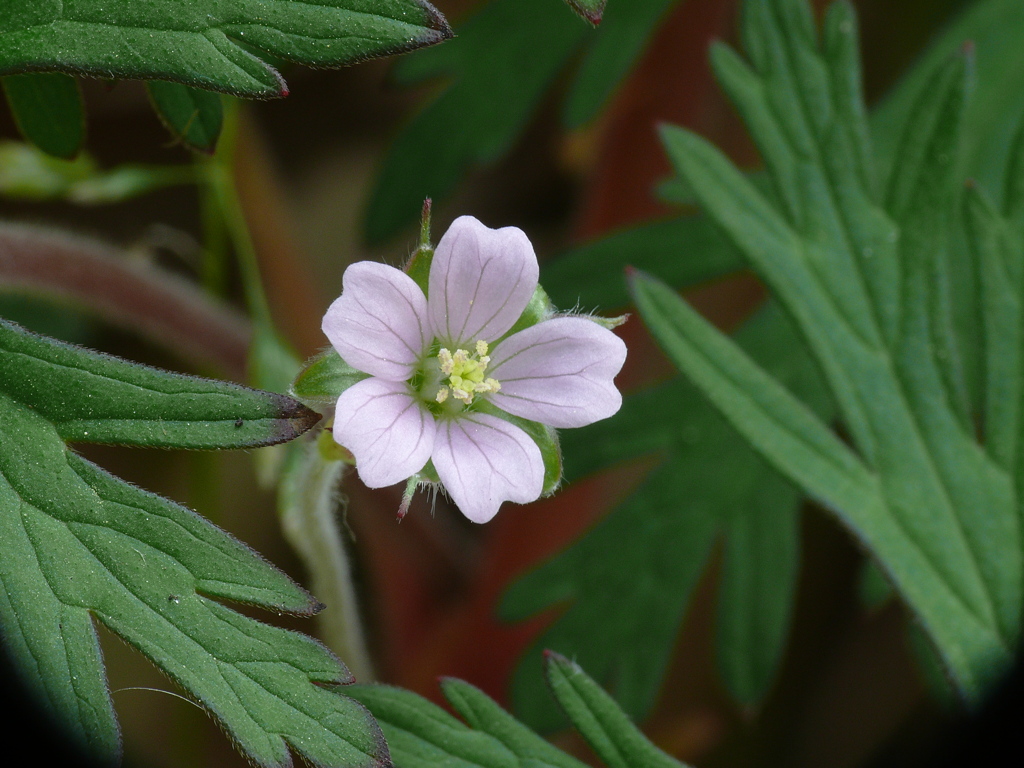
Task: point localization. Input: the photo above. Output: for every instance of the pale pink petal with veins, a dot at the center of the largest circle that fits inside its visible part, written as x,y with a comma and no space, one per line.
483,460
379,323
390,434
481,280
560,372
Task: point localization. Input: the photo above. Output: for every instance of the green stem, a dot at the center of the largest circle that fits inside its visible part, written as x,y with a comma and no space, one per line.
218,173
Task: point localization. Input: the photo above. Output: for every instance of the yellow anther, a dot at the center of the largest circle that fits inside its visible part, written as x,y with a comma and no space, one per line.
465,373
447,363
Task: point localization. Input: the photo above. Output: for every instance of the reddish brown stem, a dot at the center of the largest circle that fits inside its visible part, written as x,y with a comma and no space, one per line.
127,292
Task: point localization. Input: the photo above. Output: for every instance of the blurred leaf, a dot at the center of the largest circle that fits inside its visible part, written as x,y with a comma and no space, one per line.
30,174
132,293
624,611
78,543
206,43
194,117
272,363
603,724
48,110
619,43
683,251
868,284
873,589
992,28
502,63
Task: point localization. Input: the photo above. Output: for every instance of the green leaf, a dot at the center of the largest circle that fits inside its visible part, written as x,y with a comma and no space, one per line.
192,116
591,10
422,735
502,63
603,724
868,284
48,110
78,544
996,240
619,43
626,590
207,44
483,714
94,398
688,251
683,251
780,426
990,119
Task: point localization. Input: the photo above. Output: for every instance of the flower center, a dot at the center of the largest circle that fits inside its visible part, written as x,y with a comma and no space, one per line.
465,374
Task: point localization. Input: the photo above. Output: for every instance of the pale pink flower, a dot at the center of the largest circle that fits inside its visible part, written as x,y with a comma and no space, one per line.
433,360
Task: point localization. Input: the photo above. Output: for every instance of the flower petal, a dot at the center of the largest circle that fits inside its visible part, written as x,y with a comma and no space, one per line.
390,435
481,280
559,372
483,460
379,323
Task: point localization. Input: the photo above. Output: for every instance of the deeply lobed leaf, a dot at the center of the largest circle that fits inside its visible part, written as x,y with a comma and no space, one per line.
868,284
690,250
78,544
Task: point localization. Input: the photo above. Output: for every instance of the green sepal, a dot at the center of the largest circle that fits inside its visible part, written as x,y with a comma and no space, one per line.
544,436
418,267
323,378
539,309
428,474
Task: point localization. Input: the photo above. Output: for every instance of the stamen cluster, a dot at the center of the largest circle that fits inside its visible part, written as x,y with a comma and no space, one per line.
465,374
